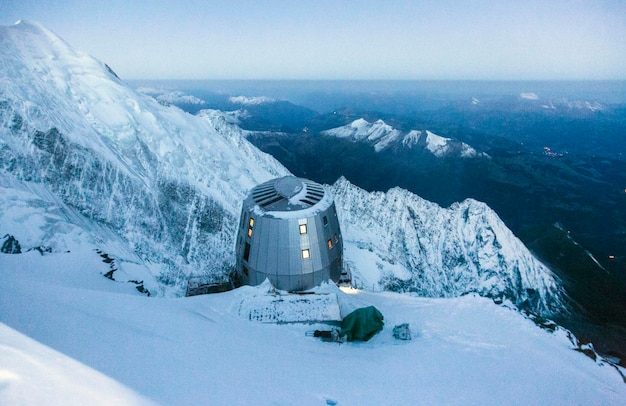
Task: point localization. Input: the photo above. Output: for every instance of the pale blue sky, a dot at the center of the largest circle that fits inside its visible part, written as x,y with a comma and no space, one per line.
465,39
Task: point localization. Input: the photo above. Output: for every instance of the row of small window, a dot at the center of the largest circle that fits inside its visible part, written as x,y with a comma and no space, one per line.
306,253
302,227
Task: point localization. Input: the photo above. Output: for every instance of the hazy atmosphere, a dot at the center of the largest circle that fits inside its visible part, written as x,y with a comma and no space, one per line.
530,40
271,202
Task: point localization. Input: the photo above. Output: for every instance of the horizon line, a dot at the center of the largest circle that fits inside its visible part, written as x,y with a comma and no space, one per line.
373,80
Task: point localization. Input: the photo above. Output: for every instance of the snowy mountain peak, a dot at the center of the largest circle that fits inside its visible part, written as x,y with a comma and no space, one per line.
166,182
379,134
36,28
251,101
383,136
529,96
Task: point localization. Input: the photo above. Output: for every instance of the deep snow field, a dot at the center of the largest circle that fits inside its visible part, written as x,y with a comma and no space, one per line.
68,336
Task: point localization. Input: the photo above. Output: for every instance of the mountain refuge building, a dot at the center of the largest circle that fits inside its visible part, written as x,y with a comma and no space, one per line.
289,233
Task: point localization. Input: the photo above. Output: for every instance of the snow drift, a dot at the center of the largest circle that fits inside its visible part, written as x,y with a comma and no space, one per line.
89,341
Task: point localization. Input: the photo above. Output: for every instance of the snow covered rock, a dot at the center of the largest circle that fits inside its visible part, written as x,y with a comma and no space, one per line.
398,241
10,245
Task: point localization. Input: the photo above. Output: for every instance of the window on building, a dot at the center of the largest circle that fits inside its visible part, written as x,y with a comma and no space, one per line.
325,221
246,252
306,253
330,244
302,228
336,239
250,226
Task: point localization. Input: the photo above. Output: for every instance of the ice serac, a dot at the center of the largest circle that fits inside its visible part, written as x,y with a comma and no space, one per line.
87,162
167,182
418,246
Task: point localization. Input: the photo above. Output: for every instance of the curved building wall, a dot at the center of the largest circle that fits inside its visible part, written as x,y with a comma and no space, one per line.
296,247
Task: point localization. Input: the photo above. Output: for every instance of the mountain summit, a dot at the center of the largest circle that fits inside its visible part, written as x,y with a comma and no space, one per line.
383,136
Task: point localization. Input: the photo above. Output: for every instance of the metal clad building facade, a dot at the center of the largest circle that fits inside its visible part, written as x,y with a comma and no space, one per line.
289,233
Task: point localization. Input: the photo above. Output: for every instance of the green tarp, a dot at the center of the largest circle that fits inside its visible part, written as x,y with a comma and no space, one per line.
362,324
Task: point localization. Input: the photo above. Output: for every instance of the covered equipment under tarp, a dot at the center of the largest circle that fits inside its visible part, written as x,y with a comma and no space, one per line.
362,324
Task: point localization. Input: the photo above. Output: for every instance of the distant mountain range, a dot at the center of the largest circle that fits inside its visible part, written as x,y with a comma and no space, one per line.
382,136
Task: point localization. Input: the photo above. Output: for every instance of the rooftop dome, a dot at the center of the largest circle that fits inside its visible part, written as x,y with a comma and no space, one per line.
287,194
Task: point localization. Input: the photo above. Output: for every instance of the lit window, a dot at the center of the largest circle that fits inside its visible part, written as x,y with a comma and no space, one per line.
250,232
306,254
330,244
302,228
251,222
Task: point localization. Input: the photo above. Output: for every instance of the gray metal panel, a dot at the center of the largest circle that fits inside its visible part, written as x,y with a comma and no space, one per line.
260,277
276,243
307,281
264,239
282,266
295,253
318,277
283,282
254,252
335,268
271,245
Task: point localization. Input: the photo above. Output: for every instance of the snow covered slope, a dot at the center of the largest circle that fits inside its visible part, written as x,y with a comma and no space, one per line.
382,136
70,337
168,183
86,161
